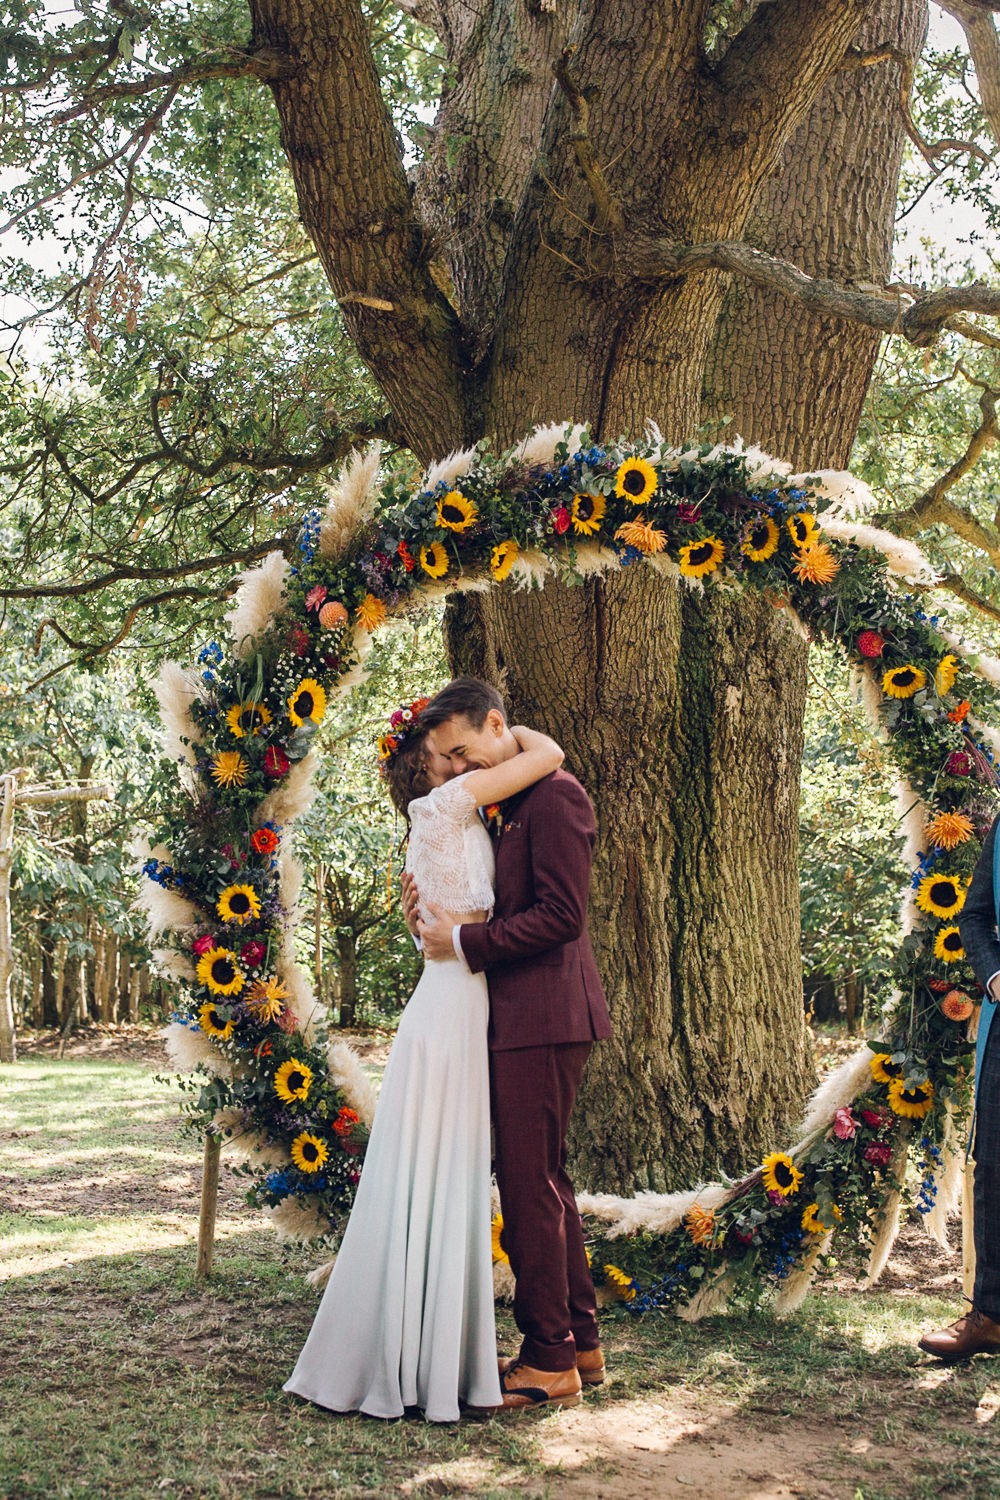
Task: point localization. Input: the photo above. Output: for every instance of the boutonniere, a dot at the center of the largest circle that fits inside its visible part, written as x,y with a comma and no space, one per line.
510,823
494,817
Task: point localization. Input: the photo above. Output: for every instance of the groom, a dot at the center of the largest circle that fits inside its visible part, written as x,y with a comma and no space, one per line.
547,1008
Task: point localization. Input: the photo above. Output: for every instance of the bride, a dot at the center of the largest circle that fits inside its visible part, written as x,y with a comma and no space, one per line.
407,1316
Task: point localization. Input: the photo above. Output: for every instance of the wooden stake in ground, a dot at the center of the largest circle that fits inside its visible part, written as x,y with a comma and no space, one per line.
12,795
209,1203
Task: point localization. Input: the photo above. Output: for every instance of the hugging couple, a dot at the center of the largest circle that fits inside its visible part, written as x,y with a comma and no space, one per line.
507,1007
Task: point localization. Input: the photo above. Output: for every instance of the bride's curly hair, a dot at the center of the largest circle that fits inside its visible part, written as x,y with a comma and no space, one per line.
405,774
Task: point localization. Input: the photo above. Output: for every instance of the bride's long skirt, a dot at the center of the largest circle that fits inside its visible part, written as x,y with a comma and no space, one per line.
407,1316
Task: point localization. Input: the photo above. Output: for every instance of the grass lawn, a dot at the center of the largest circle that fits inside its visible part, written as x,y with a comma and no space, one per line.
121,1376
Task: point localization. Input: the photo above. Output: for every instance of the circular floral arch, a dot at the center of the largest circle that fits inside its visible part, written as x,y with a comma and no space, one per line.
222,885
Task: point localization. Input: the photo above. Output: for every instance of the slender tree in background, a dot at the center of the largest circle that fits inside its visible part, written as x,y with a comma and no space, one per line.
680,211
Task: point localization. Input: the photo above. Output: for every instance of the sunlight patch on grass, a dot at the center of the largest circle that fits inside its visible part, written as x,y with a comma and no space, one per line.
30,1245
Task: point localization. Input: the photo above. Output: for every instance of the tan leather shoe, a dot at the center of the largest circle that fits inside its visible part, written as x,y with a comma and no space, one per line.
590,1363
973,1334
524,1387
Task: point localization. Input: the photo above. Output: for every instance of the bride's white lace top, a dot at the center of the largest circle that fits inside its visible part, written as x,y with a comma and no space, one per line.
450,855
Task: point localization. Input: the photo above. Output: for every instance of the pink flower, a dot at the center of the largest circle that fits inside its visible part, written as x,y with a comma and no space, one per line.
775,1198
203,945
315,596
396,720
688,511
958,763
878,1153
845,1126
353,1177
745,1236
560,520
252,953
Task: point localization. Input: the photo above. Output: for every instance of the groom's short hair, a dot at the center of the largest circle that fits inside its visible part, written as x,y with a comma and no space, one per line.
468,696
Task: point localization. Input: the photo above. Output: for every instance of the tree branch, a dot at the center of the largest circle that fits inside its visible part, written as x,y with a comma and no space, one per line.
127,572
984,48
609,214
930,153
265,64
921,323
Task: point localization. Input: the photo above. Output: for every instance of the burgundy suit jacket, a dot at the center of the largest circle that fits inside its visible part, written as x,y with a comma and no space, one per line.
543,981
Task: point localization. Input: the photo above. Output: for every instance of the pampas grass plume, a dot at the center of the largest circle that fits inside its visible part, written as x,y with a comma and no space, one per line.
257,601
299,1219
539,447
351,501
448,470
175,691
346,1072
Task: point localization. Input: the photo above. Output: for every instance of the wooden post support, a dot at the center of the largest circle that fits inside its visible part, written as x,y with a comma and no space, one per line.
8,1040
209,1204
968,1235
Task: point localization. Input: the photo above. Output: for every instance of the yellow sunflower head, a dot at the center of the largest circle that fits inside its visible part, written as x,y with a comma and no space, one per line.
642,535
780,1174
635,480
500,1256
292,1081
622,1282
697,559
587,513
883,1069
503,558
228,768
941,895
760,540
815,563
309,1151
948,945
219,972
913,1101
802,527
308,702
247,718
946,675
813,1224
903,682
434,560
949,829
209,1020
238,903
266,998
455,512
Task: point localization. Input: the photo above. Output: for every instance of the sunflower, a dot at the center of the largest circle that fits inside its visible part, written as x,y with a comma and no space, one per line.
219,972
802,528
946,675
455,512
308,701
635,480
503,558
813,1224
815,563
698,558
622,1282
266,998
760,540
903,682
309,1152
941,895
642,535
247,718
957,1006
884,1070
914,1102
238,903
228,768
371,613
781,1175
500,1256
700,1224
209,1020
587,513
292,1081
949,829
434,560
948,945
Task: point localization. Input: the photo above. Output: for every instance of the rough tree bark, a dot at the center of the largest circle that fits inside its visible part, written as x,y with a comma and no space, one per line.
681,712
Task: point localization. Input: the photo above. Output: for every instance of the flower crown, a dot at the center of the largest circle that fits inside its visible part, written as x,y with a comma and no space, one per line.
403,724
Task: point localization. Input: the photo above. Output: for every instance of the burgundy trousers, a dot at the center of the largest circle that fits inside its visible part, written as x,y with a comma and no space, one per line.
533,1089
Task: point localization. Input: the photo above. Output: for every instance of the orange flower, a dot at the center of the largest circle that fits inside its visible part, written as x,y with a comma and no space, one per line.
956,1006
345,1121
642,535
332,614
956,715
371,612
700,1224
266,998
949,829
264,840
816,564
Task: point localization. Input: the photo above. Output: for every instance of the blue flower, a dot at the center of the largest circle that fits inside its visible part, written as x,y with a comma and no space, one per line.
628,555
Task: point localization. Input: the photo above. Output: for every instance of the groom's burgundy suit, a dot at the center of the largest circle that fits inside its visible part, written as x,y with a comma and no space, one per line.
547,1008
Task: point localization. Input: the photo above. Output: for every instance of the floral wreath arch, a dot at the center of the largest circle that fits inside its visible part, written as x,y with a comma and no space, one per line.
222,884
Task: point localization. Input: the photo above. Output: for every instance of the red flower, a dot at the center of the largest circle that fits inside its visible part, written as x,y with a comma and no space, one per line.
276,762
288,1021
958,763
252,953
345,1121
688,510
878,1153
408,560
206,944
560,520
263,1049
870,643
264,840
940,986
353,1177
875,1118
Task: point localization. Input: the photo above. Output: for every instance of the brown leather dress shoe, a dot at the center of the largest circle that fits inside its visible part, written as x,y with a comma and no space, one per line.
589,1362
524,1387
973,1334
